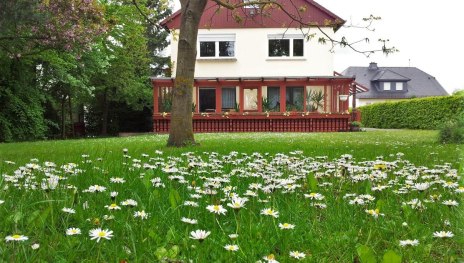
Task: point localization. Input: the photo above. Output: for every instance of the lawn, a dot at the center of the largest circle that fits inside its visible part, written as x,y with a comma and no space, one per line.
387,196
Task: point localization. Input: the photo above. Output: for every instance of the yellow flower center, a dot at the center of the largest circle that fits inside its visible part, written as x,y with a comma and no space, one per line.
101,234
16,236
216,208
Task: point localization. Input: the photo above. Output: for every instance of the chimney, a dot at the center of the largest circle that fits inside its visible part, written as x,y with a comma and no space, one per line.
373,66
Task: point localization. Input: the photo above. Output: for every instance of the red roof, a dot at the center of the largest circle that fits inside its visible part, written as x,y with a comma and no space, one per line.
216,17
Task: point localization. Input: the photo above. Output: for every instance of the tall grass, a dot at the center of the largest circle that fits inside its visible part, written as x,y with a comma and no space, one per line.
333,165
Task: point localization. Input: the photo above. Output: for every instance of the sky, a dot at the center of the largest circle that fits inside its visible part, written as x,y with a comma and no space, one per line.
428,34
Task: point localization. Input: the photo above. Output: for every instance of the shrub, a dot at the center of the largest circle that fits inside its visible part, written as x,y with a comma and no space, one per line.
425,113
453,131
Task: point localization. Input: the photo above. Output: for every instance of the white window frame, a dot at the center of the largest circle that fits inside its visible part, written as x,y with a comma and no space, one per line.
387,86
291,37
399,86
216,38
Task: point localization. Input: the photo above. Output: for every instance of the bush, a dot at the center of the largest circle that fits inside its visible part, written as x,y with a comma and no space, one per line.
425,113
452,131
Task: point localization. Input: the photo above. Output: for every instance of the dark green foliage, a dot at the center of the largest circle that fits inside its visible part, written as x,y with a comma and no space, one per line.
452,131
427,113
21,112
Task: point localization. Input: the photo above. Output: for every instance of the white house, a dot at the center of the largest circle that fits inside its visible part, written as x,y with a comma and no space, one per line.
262,63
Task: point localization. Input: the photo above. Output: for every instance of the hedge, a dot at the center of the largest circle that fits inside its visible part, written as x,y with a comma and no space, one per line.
425,113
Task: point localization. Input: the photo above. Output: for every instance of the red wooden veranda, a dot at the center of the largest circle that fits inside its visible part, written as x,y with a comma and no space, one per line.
332,116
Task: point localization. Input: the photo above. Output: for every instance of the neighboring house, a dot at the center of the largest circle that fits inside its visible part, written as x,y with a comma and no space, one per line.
393,83
260,74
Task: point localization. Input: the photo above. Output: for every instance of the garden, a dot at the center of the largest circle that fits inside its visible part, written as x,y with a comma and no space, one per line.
375,196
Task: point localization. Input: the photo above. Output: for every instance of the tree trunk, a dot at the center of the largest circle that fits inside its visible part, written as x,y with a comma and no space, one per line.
181,131
104,127
71,116
63,117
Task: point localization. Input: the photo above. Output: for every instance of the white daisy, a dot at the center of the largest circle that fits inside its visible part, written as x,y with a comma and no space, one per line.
98,234
16,237
68,210
443,234
409,242
286,226
199,234
189,221
270,212
73,231
231,247
217,209
297,254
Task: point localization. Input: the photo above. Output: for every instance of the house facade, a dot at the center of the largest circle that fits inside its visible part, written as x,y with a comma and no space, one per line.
393,83
262,72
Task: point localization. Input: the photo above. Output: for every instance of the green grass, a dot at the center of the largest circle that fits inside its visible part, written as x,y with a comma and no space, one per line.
339,233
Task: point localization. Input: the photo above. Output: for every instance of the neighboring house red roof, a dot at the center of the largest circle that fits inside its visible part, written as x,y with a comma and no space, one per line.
216,17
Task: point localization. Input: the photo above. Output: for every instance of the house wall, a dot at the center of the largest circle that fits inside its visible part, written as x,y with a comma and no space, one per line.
251,56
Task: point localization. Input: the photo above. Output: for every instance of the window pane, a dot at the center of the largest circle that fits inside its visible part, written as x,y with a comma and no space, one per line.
228,98
386,86
250,99
226,49
399,85
273,97
298,47
294,98
279,47
207,49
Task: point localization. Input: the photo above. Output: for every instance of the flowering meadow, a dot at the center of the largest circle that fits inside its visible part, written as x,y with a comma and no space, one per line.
365,197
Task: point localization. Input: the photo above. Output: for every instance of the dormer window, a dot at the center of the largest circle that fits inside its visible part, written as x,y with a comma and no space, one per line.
285,46
399,86
216,46
386,86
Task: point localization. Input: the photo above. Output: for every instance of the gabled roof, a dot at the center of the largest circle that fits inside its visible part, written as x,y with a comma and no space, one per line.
418,82
219,17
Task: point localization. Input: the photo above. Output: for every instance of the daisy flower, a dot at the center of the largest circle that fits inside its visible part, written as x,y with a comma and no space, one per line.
286,226
98,234
375,213
450,203
113,207
297,254
233,236
231,247
217,209
129,202
443,234
270,212
73,231
2,201
35,246
191,203
142,214
189,221
409,242
16,237
68,210
199,234
117,180
237,202
314,196
270,258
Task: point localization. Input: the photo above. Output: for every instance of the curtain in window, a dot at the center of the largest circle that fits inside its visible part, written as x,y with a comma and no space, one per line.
228,98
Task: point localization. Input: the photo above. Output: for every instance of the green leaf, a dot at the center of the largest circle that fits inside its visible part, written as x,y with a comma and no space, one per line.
391,257
312,181
161,253
366,254
173,252
174,198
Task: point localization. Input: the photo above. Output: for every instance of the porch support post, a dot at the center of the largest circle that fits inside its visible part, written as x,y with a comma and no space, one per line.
155,99
260,98
197,98
304,97
325,97
218,99
241,99
283,98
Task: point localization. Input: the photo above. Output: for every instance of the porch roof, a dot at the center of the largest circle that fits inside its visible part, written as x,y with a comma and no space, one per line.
337,79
